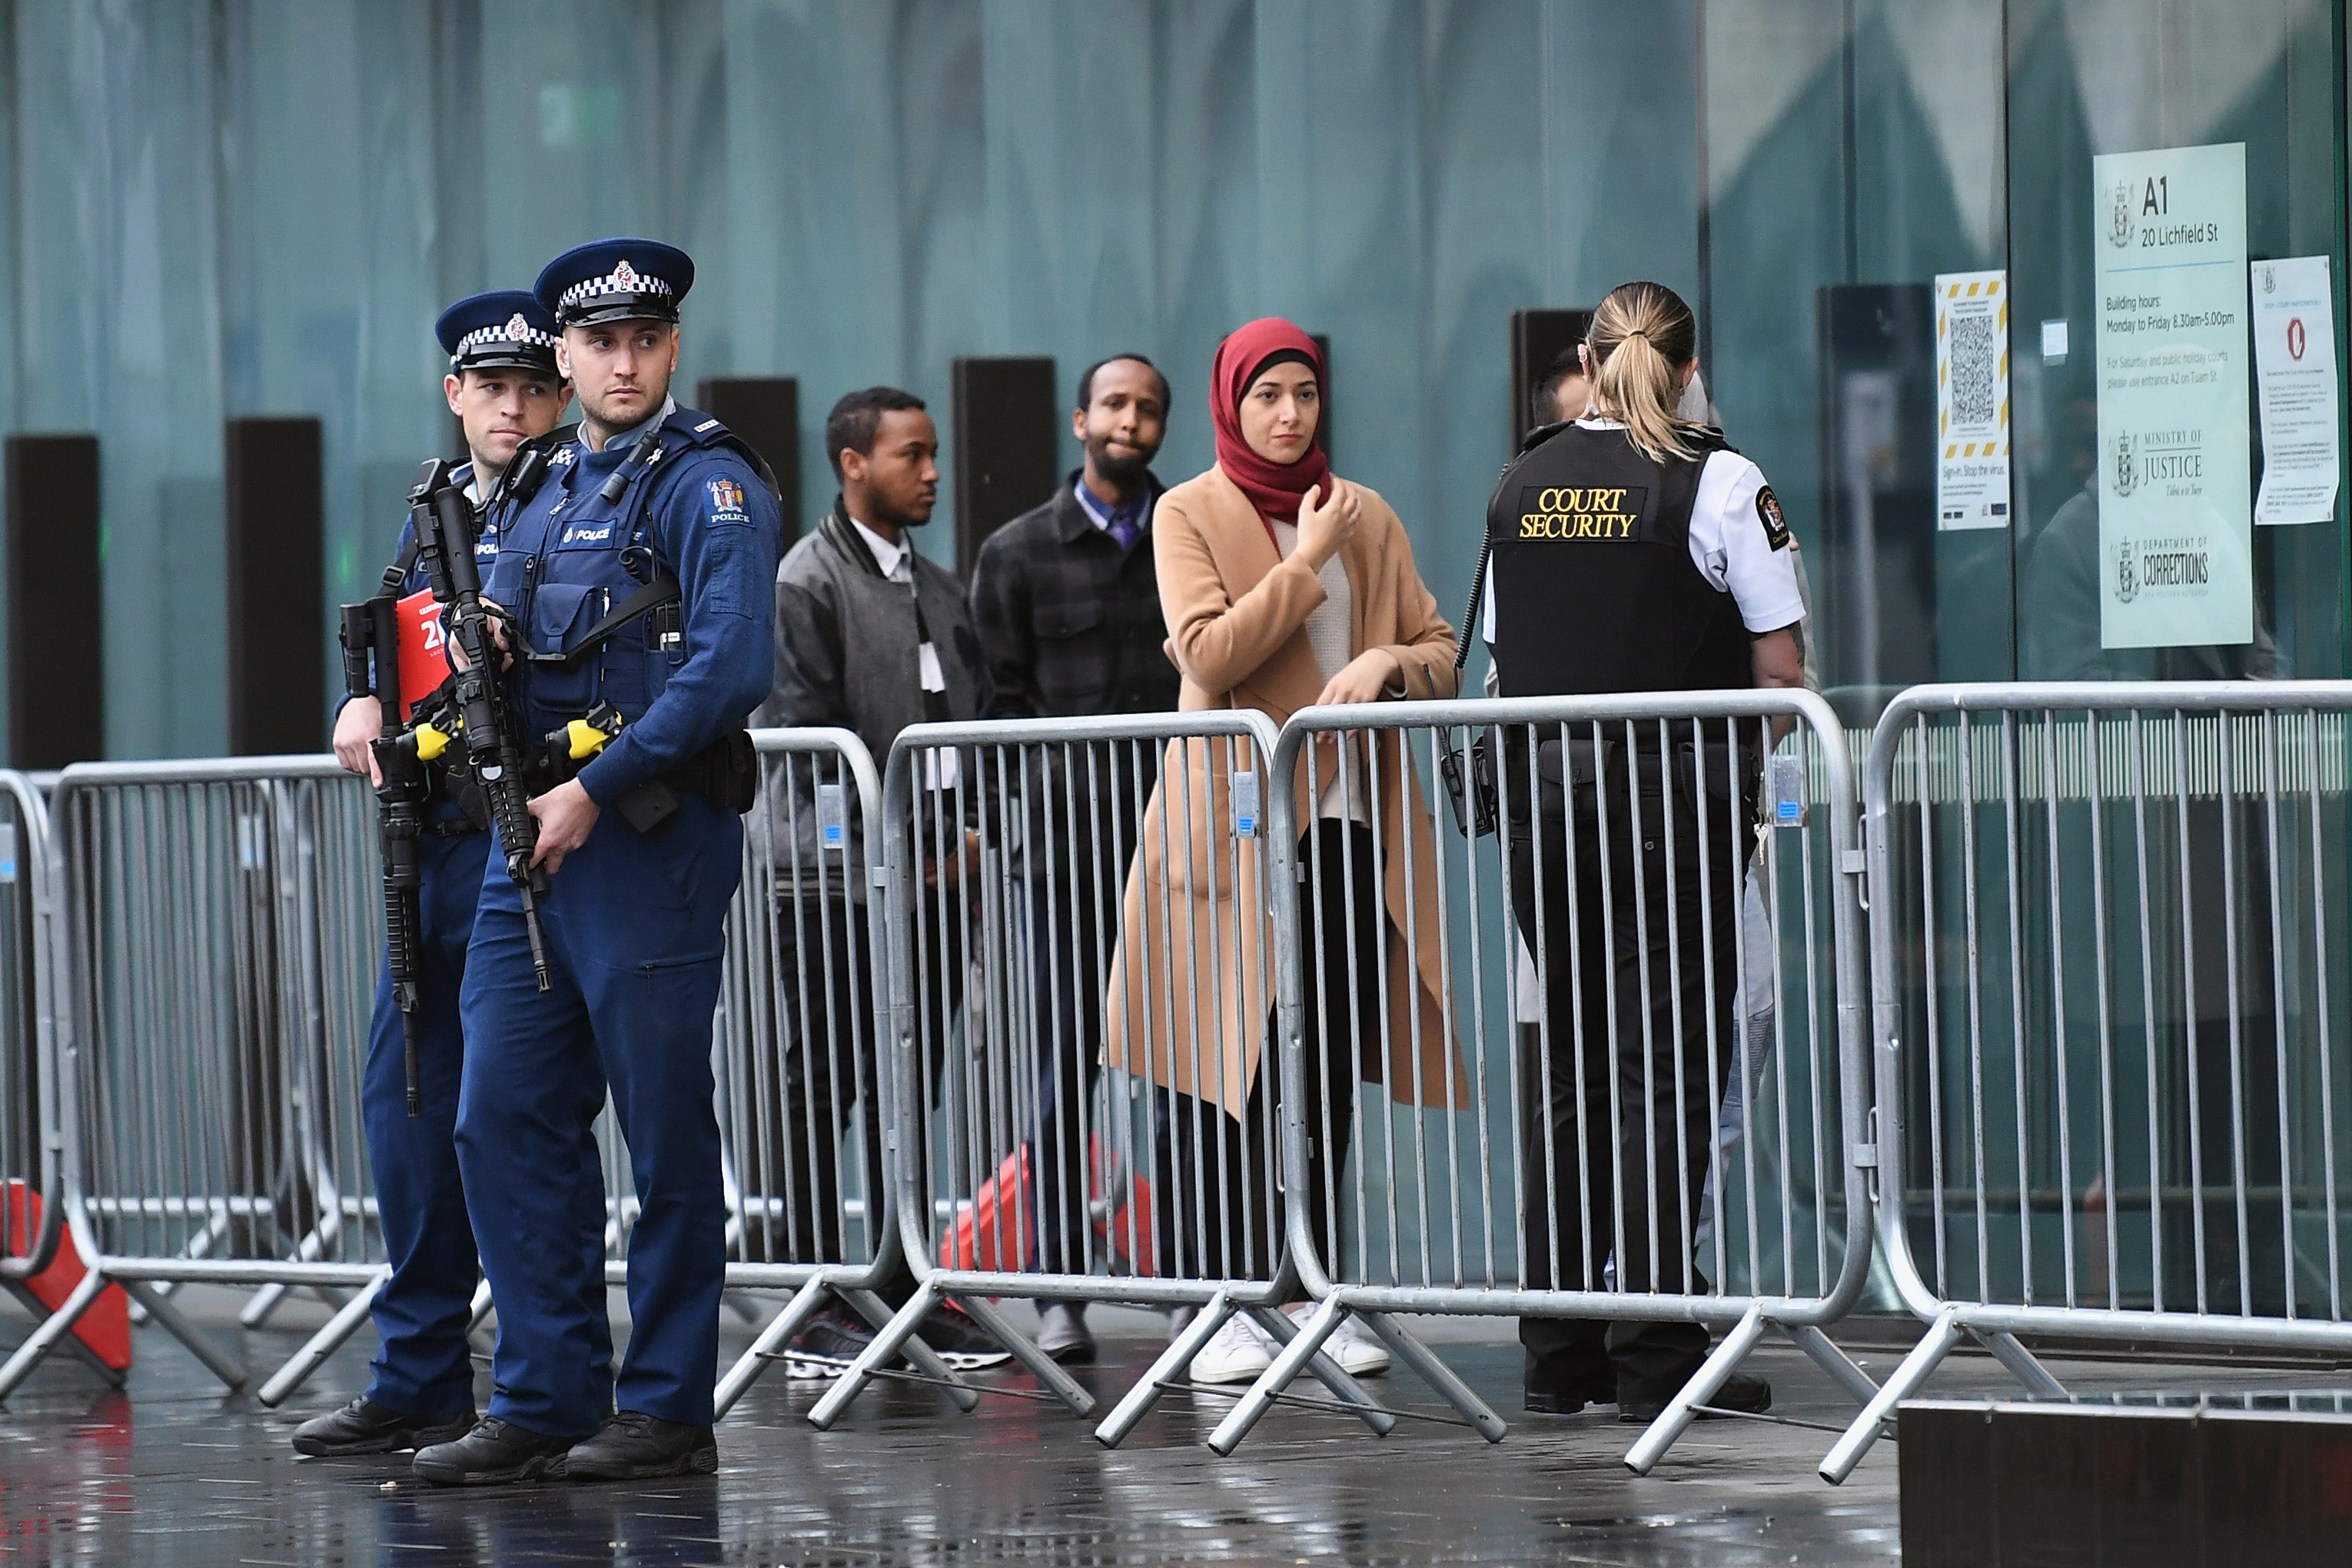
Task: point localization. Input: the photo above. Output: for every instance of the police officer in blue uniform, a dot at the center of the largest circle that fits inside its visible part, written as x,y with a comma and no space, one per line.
637,578
503,385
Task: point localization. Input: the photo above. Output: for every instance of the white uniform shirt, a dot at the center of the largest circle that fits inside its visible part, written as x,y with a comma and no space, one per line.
1727,545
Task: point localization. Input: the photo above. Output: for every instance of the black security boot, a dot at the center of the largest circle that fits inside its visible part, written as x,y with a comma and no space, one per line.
635,1446
363,1427
494,1452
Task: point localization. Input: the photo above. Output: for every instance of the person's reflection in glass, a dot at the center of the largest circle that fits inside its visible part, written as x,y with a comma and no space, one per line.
2060,580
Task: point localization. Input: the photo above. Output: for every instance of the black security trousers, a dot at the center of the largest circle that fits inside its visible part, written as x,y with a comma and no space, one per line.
1619,1121
1223,1219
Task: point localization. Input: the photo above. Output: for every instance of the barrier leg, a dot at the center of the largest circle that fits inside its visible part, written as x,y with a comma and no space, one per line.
747,1369
2022,1365
926,1360
323,1344
1043,1367
892,1335
1303,1348
222,1364
49,1331
263,1302
1682,1409
1173,1361
71,1343
1834,1362
1941,1336
482,1304
1433,1372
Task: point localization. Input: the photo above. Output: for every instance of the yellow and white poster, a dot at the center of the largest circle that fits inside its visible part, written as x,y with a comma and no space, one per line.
1971,400
2176,516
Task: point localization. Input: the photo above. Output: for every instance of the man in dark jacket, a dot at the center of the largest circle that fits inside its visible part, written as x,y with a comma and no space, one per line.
1067,608
871,638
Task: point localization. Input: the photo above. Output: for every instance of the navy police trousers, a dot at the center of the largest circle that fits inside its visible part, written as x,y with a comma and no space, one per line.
635,931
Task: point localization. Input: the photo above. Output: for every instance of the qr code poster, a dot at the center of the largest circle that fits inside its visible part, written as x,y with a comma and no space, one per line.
1972,400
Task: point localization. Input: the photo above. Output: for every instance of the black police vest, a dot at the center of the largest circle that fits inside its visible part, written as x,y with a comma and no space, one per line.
1594,586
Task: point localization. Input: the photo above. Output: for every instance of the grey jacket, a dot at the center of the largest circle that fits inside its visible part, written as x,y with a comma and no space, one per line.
847,655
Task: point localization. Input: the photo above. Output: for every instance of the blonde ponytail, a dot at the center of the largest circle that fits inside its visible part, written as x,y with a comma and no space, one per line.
1639,337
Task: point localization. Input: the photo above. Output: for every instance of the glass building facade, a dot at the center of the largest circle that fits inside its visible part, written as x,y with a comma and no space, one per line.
257,206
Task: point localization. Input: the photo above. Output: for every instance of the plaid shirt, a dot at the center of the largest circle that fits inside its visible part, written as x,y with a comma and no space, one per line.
1069,625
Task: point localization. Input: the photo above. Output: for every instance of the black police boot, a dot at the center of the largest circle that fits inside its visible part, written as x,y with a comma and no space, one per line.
635,1446
363,1427
1740,1393
495,1451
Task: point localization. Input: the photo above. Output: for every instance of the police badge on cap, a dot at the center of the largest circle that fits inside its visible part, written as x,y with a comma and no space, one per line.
617,281
504,328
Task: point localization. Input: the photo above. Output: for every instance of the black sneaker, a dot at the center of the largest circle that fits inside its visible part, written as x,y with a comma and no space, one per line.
826,1348
960,1342
363,1427
1740,1394
635,1446
495,1451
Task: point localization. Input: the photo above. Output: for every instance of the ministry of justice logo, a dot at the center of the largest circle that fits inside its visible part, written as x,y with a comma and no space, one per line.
2125,474
2126,573
2120,220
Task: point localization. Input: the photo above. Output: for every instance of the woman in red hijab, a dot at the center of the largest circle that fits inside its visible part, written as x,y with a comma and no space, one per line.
1283,586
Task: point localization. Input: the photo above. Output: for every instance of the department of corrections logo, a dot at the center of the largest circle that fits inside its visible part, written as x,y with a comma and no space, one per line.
2126,573
2120,220
2126,473
2270,280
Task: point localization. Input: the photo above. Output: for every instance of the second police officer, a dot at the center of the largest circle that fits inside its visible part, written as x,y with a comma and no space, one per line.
1632,550
643,850
505,390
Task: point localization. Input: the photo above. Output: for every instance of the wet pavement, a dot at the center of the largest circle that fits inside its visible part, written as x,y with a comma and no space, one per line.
174,1473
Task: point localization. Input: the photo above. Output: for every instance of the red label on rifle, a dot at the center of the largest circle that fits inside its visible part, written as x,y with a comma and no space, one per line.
424,663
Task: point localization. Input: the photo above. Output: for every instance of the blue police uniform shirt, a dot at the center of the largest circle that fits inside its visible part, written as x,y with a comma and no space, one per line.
708,521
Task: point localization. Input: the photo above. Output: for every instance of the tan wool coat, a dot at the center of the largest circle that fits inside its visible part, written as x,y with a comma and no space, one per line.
1191,984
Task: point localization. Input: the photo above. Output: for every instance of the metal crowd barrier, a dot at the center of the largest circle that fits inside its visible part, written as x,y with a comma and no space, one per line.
802,1097
2109,997
1446,1186
1073,1021
213,926
32,1210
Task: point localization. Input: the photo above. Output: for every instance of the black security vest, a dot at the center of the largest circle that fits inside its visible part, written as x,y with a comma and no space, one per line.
1594,586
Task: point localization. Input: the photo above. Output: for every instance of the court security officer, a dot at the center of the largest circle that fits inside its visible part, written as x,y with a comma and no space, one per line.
643,848
1632,552
503,385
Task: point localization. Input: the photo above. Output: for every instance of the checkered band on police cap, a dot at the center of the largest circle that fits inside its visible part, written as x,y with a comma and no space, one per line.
513,330
623,280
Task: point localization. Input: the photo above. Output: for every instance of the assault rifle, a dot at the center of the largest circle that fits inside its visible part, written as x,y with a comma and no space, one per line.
372,628
488,724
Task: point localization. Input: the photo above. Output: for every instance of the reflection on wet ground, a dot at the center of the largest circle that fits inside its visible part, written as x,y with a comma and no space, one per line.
174,1473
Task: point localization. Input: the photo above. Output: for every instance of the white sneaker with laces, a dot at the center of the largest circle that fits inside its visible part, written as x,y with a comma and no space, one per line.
1358,1352
1236,1354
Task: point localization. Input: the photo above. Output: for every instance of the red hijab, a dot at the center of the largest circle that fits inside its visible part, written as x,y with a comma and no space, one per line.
1274,489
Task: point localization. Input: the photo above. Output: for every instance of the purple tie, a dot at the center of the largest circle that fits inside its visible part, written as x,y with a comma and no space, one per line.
1124,528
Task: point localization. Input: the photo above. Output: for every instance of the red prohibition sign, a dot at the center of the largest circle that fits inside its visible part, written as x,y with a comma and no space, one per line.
2294,337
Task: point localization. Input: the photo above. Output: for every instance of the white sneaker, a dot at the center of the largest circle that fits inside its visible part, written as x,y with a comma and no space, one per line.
1238,1353
1358,1352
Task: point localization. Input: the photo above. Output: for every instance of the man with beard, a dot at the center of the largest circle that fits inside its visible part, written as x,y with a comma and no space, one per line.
870,637
1067,607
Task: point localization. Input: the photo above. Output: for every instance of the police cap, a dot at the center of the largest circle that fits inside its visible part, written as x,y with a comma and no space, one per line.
617,281
506,327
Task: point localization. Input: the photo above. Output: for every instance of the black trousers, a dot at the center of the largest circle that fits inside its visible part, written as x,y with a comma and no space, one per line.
1639,965
1223,1216
826,962
1072,921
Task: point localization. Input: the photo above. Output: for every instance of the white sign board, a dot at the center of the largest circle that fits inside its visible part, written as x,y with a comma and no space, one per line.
2175,519
2294,386
1971,400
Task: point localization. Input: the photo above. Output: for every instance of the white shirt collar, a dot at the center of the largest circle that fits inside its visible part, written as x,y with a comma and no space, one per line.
891,558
